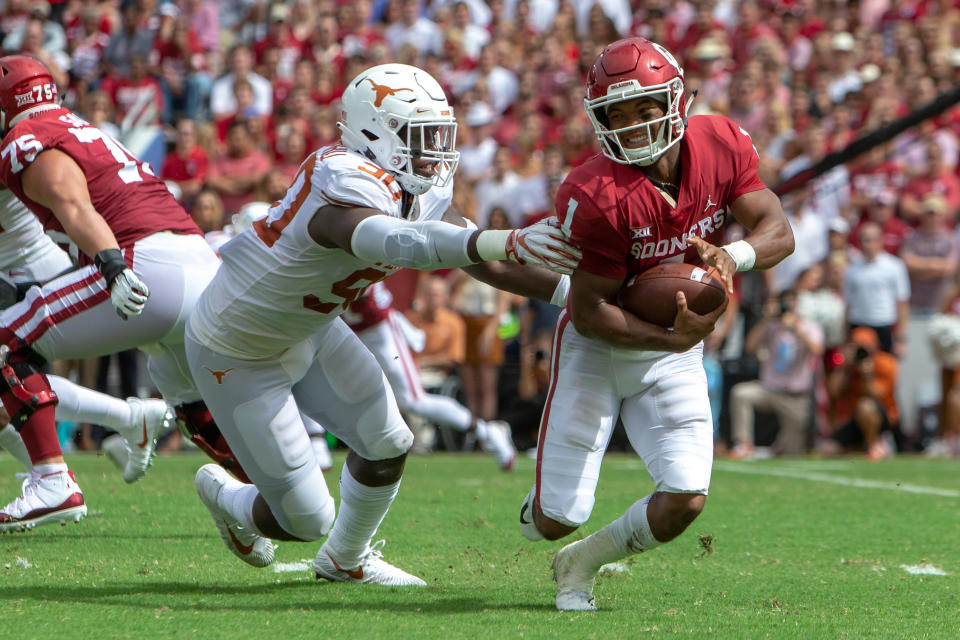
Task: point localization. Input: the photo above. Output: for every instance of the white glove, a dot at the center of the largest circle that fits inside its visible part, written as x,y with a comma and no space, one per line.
544,244
128,294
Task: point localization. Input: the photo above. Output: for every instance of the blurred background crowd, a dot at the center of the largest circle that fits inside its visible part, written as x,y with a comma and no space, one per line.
848,345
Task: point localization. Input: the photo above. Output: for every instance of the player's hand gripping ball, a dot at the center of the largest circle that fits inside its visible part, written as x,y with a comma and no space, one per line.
652,295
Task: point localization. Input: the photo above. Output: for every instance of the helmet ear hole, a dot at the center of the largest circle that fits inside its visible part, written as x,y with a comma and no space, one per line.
370,136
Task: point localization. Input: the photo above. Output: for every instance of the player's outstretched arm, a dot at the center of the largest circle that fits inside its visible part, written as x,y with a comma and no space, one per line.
523,280
596,315
432,244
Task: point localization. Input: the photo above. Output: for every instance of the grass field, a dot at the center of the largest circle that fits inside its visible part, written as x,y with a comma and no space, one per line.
801,549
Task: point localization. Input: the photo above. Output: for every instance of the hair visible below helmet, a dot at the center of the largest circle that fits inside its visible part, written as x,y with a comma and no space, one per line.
25,85
398,116
626,70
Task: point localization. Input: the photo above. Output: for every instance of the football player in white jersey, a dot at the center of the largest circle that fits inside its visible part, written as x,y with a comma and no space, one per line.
29,256
266,342
240,222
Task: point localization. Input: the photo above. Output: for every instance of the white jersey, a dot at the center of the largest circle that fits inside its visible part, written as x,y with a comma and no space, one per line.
22,240
277,286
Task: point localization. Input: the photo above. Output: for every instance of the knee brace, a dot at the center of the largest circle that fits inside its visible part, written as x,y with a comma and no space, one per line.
197,425
17,370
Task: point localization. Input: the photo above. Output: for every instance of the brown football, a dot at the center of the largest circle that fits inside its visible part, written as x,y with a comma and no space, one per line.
652,295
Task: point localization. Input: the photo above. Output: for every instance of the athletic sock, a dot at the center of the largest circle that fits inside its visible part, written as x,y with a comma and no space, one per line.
54,467
79,405
237,499
362,509
631,532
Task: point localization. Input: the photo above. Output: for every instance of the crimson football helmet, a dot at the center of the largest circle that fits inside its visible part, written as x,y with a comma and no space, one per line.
636,68
25,83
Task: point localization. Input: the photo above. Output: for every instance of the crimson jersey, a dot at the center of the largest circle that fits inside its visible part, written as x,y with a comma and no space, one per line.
134,202
370,309
623,223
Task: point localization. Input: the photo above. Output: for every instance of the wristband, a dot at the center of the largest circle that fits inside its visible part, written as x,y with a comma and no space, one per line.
559,298
743,254
110,263
492,244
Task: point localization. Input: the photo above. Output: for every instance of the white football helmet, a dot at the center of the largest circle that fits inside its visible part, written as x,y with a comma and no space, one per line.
244,218
398,116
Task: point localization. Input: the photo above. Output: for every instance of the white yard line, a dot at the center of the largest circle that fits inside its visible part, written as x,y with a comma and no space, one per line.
292,567
923,570
814,476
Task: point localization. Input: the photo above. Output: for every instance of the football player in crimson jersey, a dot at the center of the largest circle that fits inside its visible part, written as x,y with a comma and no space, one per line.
663,189
29,256
143,265
266,341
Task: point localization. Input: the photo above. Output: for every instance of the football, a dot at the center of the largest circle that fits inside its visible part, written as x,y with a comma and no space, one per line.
652,294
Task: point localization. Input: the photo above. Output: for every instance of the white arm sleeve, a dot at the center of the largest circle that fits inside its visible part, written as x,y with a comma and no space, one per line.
425,245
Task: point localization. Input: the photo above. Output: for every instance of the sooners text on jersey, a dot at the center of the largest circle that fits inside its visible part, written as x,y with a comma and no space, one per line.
624,224
134,202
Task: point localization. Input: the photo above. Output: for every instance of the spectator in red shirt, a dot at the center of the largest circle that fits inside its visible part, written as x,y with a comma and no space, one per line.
236,174
138,97
750,29
280,36
936,178
702,26
204,18
324,47
186,165
246,109
87,45
875,172
178,60
882,212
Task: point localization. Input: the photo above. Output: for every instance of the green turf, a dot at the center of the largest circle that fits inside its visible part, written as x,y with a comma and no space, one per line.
792,558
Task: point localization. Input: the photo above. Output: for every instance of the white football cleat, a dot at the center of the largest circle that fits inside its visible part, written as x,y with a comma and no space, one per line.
54,497
372,569
498,441
574,574
115,447
148,417
253,549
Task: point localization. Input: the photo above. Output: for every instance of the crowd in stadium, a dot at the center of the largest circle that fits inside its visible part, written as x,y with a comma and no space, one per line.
226,99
